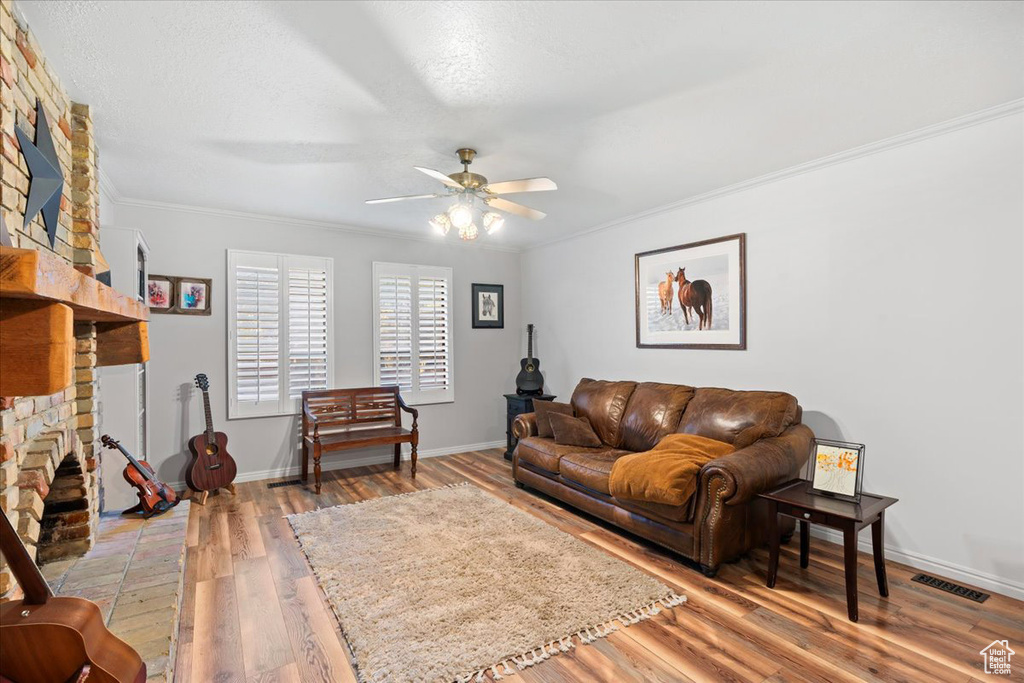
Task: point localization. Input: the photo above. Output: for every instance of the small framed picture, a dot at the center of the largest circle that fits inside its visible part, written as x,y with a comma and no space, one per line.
193,295
836,468
160,293
488,306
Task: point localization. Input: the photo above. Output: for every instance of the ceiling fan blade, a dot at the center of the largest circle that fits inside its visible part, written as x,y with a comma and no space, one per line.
512,207
524,185
437,175
387,200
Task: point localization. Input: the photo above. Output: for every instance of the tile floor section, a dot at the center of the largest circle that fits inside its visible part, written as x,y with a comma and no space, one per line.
134,573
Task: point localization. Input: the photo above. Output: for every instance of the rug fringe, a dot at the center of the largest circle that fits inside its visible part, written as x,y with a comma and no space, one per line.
586,635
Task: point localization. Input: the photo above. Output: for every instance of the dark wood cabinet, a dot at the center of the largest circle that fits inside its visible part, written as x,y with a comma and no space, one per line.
517,405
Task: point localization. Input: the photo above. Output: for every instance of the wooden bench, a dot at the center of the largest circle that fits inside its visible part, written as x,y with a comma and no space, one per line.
341,419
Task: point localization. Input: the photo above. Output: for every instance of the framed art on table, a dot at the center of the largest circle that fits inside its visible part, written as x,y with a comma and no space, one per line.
488,306
836,468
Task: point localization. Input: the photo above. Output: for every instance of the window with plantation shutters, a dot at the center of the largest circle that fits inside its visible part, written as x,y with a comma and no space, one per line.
412,331
280,331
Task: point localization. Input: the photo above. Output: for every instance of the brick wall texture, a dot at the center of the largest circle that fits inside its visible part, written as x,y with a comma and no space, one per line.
38,432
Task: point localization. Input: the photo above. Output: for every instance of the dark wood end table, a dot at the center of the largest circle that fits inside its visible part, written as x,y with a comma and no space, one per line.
798,500
517,404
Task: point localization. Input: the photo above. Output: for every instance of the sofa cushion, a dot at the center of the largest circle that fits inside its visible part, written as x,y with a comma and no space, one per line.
590,470
542,410
545,454
738,417
603,403
653,412
574,431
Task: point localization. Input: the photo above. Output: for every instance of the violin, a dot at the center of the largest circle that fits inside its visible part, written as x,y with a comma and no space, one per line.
154,495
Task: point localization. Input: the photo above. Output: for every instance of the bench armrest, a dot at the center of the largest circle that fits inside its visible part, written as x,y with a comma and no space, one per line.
412,411
762,465
525,425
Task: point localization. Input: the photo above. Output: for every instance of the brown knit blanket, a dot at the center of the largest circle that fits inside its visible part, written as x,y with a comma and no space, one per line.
668,473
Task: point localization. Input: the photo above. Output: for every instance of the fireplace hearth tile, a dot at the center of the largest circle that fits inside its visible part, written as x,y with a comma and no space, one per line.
134,572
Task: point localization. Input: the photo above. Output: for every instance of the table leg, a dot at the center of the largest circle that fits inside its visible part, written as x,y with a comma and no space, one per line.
850,560
878,546
773,540
805,544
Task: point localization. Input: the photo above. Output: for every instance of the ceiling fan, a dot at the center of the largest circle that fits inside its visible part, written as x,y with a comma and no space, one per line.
467,188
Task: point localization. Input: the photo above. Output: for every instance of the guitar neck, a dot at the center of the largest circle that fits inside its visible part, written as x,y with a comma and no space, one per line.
32,583
209,415
529,343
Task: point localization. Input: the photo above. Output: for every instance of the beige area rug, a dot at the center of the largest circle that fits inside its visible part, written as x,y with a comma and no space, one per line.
449,584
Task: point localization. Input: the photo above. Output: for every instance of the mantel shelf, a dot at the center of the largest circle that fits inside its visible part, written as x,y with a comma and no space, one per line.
30,274
41,297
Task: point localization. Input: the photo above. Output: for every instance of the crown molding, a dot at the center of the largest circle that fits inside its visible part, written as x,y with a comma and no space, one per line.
107,186
894,142
120,200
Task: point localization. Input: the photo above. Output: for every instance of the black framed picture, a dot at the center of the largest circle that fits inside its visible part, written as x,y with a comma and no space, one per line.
488,306
836,468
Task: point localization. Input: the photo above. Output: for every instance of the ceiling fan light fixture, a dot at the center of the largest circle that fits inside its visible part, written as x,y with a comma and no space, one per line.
461,215
441,223
469,233
493,222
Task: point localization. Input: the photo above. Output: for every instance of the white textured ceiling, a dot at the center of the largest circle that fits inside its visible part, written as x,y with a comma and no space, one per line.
305,109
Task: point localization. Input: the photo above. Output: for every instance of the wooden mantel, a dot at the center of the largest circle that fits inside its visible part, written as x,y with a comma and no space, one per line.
41,297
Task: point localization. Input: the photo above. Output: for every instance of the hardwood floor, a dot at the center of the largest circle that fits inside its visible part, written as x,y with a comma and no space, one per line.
253,611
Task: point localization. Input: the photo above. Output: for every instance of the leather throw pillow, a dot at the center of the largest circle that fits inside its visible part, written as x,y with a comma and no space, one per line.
542,409
574,431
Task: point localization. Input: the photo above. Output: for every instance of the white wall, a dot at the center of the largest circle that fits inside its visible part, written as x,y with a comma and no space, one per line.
195,243
885,293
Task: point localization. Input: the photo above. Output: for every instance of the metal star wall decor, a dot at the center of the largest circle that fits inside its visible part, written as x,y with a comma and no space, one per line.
47,182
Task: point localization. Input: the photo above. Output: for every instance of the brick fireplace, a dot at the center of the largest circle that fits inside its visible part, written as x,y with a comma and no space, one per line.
49,446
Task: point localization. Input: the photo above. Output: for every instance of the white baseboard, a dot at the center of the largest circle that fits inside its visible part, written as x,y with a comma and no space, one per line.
931,565
338,461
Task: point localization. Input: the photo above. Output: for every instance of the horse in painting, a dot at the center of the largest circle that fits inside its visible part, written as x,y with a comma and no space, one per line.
665,294
695,295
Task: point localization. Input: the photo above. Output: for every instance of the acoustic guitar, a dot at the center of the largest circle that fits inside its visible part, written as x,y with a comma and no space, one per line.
212,467
154,495
52,640
529,380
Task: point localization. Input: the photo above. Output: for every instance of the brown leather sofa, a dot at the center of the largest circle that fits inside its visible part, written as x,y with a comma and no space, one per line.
724,519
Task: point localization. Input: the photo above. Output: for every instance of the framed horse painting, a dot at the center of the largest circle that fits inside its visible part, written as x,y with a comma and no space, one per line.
488,306
693,296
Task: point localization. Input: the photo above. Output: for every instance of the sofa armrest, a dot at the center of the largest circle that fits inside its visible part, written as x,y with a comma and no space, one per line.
762,465
525,425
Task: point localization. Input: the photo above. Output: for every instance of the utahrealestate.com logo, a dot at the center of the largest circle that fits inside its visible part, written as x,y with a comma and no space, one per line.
997,657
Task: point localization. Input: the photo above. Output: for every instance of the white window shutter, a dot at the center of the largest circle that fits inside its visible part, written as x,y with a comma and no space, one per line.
280,331
307,330
433,333
394,331
412,331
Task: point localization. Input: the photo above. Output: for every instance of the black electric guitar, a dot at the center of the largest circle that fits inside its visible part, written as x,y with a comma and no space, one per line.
529,380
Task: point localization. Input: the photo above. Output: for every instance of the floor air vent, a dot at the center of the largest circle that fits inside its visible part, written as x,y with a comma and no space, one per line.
297,482
950,587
